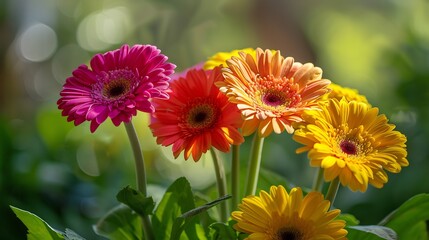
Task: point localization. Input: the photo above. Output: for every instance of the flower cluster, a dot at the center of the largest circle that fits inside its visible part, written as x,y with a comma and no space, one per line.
215,104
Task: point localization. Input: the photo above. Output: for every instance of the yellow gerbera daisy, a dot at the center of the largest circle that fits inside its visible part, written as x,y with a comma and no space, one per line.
221,57
279,215
351,141
271,91
339,92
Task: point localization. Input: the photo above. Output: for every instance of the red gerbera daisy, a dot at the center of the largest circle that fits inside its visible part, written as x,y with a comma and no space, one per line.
197,116
117,85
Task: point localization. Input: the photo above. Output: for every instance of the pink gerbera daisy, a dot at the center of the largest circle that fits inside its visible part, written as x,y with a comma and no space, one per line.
117,85
197,116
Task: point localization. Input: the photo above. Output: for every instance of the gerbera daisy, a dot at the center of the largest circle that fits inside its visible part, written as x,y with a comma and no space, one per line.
351,141
278,215
221,57
271,91
117,85
339,92
197,116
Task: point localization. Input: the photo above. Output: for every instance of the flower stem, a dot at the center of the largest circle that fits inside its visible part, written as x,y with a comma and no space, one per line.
140,175
318,180
332,190
221,184
254,165
235,176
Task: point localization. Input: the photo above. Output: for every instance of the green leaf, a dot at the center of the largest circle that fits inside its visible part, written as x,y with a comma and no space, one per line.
205,207
269,178
120,223
372,232
419,231
222,231
136,201
37,228
409,215
71,235
182,222
205,217
177,200
350,219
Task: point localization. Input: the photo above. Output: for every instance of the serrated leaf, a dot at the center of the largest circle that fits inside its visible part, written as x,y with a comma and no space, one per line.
121,223
71,235
371,232
411,213
37,228
136,201
177,200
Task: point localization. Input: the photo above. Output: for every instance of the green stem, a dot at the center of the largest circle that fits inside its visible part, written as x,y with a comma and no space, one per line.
235,176
221,184
140,175
318,180
254,165
332,190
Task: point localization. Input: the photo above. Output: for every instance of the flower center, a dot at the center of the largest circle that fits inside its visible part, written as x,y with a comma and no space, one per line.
289,234
115,85
116,88
348,147
275,94
273,98
201,115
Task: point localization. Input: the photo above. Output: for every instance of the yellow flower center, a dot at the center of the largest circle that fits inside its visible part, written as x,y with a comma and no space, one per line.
289,234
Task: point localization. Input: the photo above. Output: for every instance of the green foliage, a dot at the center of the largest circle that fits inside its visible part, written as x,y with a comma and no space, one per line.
269,178
71,235
177,200
350,219
408,220
222,231
120,223
372,232
136,201
37,228
181,222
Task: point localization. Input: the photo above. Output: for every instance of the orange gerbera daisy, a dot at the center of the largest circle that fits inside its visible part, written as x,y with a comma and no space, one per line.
271,91
349,140
197,116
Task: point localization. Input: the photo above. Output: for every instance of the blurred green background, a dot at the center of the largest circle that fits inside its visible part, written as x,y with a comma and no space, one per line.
70,177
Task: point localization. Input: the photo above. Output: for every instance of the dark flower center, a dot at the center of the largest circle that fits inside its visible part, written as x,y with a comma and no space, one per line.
201,115
348,147
289,234
274,99
116,88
